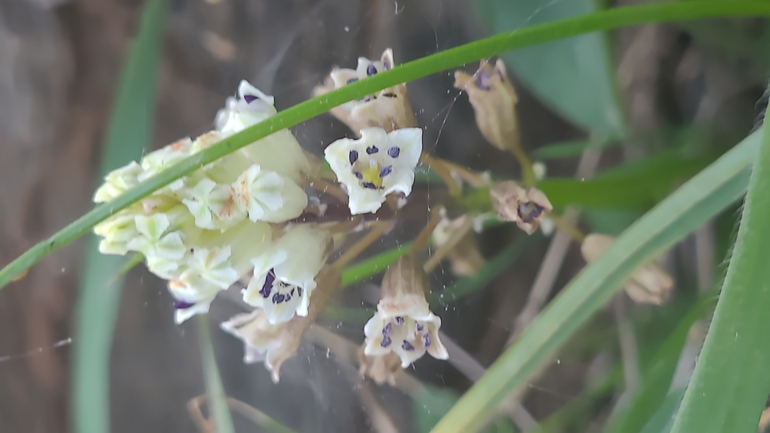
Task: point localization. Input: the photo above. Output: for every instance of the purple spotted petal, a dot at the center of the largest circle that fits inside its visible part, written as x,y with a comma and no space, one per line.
268,286
426,340
385,341
278,298
482,80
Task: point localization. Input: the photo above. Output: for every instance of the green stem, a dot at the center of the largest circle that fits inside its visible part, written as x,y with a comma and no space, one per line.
605,20
220,410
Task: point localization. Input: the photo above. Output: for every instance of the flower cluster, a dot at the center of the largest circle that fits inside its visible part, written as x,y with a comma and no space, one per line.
208,230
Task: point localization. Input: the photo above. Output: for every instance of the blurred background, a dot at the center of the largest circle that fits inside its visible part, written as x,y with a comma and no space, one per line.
633,95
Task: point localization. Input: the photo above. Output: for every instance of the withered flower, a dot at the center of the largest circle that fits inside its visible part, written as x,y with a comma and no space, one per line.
464,256
649,284
388,109
494,100
524,207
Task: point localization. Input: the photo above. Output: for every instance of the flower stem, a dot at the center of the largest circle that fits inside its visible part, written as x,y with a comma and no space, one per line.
445,249
566,227
376,233
422,239
438,167
527,173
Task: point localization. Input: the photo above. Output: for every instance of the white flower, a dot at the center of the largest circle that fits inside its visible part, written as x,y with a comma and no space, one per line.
118,181
263,340
403,323
375,165
117,231
251,107
388,109
213,205
279,152
163,247
191,299
284,277
163,158
268,196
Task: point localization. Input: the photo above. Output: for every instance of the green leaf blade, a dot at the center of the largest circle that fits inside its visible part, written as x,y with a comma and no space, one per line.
730,383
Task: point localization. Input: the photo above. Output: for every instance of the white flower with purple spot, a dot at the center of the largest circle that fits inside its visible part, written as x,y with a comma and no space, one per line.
284,277
408,336
279,152
191,297
375,165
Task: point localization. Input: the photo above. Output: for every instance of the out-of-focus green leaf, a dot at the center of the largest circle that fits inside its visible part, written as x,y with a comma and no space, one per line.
373,266
730,384
101,281
697,201
656,378
432,403
220,410
565,149
572,76
663,419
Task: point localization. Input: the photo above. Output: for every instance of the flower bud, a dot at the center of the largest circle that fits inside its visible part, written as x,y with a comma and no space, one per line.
494,101
464,257
524,207
403,323
649,284
377,164
388,109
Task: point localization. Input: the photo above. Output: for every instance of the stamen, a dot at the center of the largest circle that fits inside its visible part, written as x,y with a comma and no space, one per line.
358,175
352,80
249,98
529,211
426,340
353,156
393,152
372,149
369,185
407,346
371,70
386,65
386,171
387,329
418,327
399,320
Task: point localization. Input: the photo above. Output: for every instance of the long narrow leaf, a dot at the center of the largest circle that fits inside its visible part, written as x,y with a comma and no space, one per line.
607,20
129,132
685,210
220,410
730,383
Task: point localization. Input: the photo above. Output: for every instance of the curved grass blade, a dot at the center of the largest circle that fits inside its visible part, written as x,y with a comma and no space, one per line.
730,384
606,20
101,282
685,210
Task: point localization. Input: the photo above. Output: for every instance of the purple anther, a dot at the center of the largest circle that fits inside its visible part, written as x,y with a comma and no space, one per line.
426,340
358,174
371,150
249,98
352,80
369,185
407,346
418,327
353,156
387,329
393,152
385,341
399,320
278,298
386,171
371,70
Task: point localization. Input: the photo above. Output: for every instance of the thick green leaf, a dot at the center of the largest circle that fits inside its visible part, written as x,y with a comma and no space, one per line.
611,19
101,282
573,76
685,210
730,384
